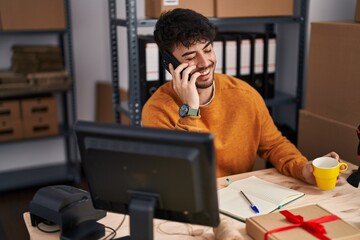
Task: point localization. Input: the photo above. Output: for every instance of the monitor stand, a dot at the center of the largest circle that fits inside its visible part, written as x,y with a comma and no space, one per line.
141,212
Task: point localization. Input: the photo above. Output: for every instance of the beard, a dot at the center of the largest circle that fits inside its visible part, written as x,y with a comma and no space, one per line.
208,82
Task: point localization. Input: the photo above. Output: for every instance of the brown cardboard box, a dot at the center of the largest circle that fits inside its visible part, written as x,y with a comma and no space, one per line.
357,11
10,110
153,8
39,117
40,126
253,8
104,105
32,15
256,227
10,130
42,106
319,135
333,75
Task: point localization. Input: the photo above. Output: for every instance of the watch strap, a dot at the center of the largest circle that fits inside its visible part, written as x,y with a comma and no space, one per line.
193,112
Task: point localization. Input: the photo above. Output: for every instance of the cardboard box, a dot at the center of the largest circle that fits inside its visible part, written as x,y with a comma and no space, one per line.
32,15
256,227
333,73
104,106
153,8
253,8
40,126
319,135
10,82
35,107
10,130
10,110
357,11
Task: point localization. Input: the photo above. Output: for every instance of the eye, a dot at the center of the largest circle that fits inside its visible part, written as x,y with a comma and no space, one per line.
209,50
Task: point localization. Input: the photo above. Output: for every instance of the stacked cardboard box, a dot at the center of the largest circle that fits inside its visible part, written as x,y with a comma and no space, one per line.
253,8
15,84
32,15
28,118
10,120
30,59
331,114
39,117
153,8
223,8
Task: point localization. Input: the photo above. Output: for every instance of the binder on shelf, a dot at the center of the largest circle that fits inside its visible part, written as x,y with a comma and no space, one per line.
218,46
270,64
231,57
149,60
244,57
258,80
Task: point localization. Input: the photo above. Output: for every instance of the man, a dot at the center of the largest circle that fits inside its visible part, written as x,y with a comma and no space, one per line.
227,107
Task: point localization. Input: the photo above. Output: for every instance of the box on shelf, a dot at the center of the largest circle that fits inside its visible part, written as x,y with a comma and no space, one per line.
40,126
256,227
333,73
10,130
39,117
153,8
318,135
253,8
10,81
50,81
36,58
39,107
9,110
357,11
104,106
32,15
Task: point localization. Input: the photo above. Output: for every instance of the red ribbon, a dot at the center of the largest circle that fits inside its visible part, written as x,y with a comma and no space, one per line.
312,226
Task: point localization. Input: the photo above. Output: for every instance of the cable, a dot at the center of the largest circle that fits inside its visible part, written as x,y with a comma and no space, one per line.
112,235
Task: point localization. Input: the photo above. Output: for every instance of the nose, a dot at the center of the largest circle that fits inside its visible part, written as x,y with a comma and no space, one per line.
202,61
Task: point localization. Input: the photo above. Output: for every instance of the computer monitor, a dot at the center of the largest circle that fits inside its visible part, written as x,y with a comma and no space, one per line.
150,173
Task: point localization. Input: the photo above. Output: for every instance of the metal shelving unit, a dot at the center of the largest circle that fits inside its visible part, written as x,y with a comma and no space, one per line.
133,107
69,171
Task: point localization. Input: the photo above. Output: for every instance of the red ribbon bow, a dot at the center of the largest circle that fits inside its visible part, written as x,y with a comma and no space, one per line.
312,226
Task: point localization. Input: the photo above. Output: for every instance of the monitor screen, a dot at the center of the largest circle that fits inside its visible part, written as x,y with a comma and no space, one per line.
172,172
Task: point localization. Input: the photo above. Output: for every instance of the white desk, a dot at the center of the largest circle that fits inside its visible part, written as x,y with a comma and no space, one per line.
343,201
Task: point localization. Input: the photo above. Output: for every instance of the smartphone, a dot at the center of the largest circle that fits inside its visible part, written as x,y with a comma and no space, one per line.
169,58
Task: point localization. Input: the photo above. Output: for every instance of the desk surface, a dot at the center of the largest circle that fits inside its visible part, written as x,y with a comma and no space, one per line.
343,201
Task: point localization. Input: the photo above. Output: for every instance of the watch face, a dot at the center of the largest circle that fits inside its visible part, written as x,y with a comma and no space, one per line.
183,111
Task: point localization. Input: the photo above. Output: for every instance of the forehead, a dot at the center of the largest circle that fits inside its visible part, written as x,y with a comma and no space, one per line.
196,46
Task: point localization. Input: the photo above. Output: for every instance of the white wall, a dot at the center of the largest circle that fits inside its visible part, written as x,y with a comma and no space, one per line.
90,23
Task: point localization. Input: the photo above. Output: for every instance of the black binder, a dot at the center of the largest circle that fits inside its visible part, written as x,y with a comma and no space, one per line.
149,66
270,65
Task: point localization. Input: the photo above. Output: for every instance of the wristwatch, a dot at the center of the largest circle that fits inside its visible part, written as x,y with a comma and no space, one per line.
185,110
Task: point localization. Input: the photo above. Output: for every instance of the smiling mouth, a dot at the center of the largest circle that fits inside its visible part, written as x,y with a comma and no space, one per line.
205,72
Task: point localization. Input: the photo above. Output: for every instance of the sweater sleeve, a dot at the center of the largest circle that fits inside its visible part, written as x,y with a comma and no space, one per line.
276,148
161,113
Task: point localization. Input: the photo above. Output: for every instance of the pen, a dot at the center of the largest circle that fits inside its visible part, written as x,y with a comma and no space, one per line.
253,207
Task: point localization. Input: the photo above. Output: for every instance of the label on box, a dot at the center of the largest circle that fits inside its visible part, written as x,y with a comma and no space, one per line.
171,2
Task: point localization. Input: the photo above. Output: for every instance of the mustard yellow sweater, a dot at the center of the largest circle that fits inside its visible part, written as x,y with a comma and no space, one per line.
239,121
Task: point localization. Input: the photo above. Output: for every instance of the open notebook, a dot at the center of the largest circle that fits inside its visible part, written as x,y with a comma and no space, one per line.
266,196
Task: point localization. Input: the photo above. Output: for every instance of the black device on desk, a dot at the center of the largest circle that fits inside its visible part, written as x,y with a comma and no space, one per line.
70,208
354,178
150,173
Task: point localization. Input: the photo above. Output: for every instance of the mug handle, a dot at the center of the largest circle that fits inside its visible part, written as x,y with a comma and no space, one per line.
343,164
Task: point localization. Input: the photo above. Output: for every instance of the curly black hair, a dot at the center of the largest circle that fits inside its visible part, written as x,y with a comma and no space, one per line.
182,26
